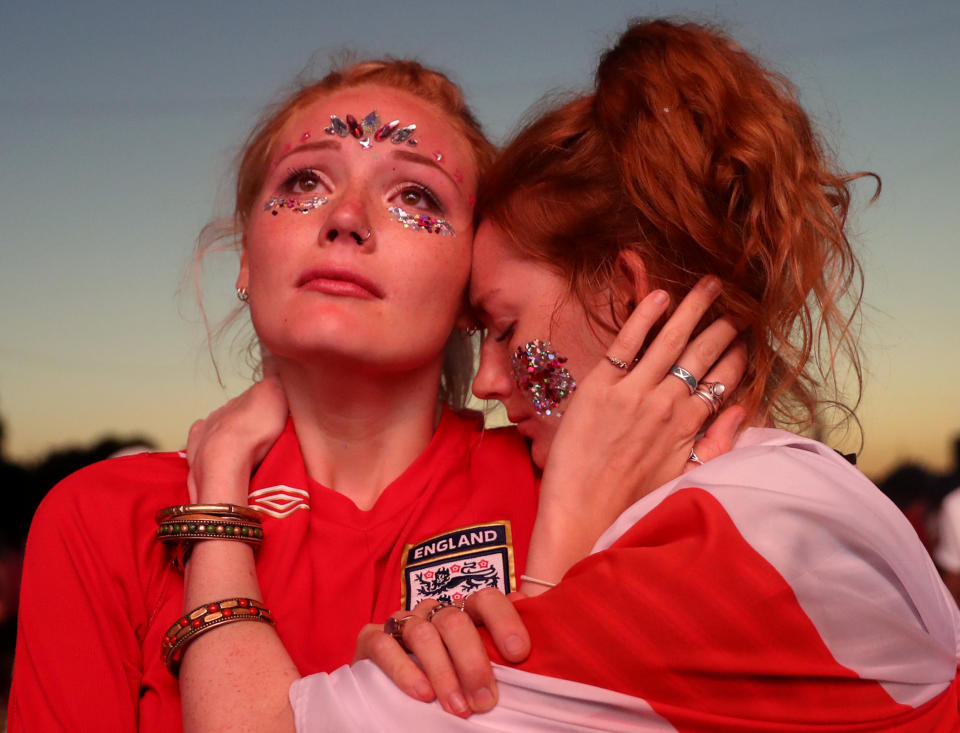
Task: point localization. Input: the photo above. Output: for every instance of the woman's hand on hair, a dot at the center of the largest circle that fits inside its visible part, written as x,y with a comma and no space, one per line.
454,665
224,448
629,430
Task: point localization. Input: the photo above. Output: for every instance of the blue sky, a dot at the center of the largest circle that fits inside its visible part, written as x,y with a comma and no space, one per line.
119,122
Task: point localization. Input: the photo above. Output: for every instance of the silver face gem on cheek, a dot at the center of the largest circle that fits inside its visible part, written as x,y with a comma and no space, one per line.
302,206
539,373
421,222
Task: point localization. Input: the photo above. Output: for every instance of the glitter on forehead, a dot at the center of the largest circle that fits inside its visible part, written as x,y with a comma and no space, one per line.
421,222
369,130
539,372
302,206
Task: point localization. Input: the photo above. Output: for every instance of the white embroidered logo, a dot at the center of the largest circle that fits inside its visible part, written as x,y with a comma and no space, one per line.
279,501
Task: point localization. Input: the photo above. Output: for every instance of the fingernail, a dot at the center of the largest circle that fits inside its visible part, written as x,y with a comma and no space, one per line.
660,297
481,700
712,285
458,704
423,691
514,645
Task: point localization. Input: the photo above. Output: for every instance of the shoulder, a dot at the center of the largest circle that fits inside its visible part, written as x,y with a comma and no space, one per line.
950,508
118,486
777,470
490,447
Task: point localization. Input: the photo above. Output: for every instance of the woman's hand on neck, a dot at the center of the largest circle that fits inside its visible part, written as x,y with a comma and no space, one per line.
360,429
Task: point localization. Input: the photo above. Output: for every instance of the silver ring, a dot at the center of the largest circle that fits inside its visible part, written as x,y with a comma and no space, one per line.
618,363
366,236
394,627
680,373
442,605
242,295
712,394
693,457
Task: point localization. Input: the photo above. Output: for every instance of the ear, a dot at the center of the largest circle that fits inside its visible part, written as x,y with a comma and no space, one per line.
630,284
466,318
243,277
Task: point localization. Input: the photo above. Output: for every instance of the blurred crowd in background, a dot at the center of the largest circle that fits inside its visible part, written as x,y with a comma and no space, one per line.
919,493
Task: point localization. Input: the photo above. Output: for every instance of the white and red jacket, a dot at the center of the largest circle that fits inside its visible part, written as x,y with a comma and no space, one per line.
773,589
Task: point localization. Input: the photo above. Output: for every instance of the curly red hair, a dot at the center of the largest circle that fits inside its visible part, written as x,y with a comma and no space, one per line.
693,155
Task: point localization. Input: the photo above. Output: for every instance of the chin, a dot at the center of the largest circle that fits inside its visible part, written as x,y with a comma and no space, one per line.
539,450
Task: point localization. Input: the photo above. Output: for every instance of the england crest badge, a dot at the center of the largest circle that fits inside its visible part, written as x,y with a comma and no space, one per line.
450,566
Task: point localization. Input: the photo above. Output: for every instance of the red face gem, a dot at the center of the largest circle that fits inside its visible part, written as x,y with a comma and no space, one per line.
386,131
355,129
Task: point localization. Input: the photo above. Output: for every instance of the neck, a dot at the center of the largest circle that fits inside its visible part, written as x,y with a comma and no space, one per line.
359,431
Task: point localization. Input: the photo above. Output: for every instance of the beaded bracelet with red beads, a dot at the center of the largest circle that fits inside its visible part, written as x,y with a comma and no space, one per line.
202,619
205,527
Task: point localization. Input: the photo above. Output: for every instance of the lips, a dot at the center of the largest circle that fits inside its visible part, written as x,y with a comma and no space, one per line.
339,281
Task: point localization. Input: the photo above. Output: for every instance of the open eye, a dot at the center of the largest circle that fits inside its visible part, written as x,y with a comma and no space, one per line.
415,196
302,180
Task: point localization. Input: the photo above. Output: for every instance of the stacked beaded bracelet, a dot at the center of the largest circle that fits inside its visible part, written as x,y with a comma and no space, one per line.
206,527
181,526
202,619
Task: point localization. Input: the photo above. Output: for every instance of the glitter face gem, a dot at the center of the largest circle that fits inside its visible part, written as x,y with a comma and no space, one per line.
539,372
369,130
421,222
302,206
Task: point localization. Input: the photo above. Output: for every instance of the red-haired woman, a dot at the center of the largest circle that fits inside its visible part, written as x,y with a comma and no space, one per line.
354,222
773,588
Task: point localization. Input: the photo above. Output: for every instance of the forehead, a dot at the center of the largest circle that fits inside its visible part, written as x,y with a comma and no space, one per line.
496,264
434,133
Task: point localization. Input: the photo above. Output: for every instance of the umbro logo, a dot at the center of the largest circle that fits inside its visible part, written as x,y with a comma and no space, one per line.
279,501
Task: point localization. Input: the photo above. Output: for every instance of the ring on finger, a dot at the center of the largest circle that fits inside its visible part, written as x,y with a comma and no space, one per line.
442,605
694,458
394,626
618,363
686,377
712,394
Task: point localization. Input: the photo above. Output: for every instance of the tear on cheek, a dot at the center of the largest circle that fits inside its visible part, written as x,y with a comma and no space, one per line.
540,374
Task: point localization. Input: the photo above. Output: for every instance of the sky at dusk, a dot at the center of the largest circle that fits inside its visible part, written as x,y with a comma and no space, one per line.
119,123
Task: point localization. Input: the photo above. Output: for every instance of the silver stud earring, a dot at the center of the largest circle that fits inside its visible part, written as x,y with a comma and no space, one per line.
242,295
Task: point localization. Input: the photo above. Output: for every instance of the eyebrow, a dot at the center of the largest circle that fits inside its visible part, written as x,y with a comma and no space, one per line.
422,160
402,154
318,145
479,305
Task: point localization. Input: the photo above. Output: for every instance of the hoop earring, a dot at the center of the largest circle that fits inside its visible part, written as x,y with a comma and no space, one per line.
242,295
